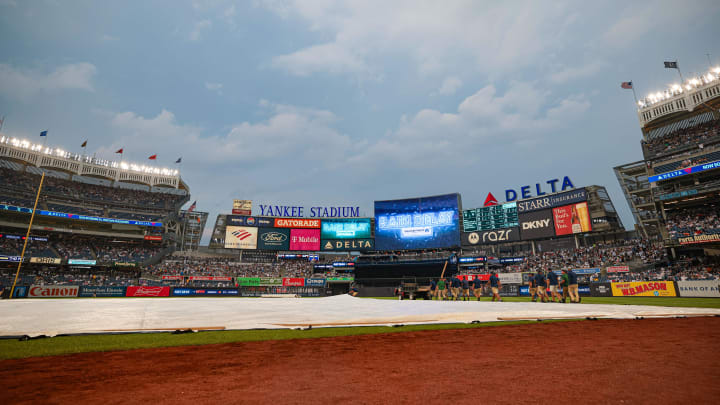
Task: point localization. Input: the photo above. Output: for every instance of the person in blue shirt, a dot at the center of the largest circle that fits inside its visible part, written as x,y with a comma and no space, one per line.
552,281
455,282
466,289
495,286
541,282
433,288
573,287
477,287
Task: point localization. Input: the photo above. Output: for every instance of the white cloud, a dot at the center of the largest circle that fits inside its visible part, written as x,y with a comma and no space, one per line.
520,116
216,87
26,83
200,26
567,73
330,58
437,36
450,85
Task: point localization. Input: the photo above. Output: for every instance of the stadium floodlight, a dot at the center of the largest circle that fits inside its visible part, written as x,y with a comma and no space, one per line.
717,70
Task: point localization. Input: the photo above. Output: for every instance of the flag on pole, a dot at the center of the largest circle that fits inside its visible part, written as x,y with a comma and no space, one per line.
120,151
84,144
671,65
153,157
627,85
1,122
43,133
179,160
192,207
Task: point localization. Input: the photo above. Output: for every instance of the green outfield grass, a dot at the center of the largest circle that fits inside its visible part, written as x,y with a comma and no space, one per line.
12,348
655,301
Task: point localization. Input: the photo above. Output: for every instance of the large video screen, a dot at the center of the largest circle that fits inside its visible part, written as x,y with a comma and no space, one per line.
571,219
356,228
488,218
418,223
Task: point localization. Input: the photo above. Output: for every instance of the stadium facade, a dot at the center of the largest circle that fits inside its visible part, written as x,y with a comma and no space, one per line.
674,190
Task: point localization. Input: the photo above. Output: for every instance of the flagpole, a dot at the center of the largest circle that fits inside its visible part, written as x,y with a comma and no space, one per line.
27,235
634,95
2,122
682,81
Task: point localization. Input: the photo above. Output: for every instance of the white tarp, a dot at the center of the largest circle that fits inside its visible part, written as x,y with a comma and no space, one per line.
59,316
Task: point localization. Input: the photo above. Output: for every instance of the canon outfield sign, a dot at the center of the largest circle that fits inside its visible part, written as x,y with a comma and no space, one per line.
41,291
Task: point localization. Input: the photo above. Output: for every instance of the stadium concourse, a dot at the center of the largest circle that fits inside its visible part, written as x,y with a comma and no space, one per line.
51,317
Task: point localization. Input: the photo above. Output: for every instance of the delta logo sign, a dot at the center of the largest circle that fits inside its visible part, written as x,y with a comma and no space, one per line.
540,189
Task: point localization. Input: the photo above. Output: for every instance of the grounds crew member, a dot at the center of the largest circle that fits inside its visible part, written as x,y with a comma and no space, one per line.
532,288
455,282
540,282
466,289
574,295
552,281
440,289
565,284
495,286
477,287
433,288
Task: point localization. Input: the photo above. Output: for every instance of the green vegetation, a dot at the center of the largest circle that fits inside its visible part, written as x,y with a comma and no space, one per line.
14,349
11,348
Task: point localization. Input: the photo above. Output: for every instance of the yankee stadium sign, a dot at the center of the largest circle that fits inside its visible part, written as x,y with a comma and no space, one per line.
312,212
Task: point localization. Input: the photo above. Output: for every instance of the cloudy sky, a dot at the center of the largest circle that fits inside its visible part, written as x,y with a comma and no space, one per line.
342,103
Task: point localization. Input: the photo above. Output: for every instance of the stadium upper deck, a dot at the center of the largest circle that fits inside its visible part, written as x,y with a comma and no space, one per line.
674,191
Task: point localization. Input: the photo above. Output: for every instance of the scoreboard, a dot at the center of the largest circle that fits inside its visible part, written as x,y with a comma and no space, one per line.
493,217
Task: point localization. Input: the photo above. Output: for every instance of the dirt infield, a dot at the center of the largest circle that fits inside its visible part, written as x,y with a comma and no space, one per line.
609,361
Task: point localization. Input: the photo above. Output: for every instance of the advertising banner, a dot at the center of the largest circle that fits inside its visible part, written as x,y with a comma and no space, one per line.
147,291
209,278
293,282
248,281
583,289
56,291
14,259
101,291
241,237
340,279
45,260
153,237
297,223
305,239
346,245
617,269
418,223
644,289
700,288
572,219
472,259
358,228
600,290
702,238
172,277
510,278
82,262
314,282
124,264
552,201
241,220
470,239
273,239
536,225
684,172
242,207
212,292
20,291
268,281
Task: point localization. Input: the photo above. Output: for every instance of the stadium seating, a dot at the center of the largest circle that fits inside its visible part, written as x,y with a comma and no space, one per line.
693,221
706,133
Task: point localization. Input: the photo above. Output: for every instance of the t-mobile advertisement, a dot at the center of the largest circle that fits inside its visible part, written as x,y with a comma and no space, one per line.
304,239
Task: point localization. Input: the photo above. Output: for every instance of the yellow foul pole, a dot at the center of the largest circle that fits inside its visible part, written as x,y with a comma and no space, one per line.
27,236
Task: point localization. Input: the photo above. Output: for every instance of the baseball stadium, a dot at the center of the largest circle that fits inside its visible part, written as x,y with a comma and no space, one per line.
118,287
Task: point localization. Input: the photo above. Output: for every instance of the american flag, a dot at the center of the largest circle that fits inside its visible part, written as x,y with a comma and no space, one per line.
192,207
626,85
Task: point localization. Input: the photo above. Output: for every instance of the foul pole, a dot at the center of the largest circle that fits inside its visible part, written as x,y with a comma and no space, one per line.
27,236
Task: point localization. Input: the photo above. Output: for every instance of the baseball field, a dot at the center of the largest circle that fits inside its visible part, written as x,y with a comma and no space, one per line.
645,360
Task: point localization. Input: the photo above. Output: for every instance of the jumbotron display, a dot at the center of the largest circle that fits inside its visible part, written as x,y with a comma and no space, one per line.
418,223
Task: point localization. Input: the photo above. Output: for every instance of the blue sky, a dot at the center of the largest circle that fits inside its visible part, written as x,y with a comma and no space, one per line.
342,103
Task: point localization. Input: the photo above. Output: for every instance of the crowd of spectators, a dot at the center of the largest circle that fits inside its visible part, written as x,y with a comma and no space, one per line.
77,197
693,221
125,252
683,137
69,276
223,266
